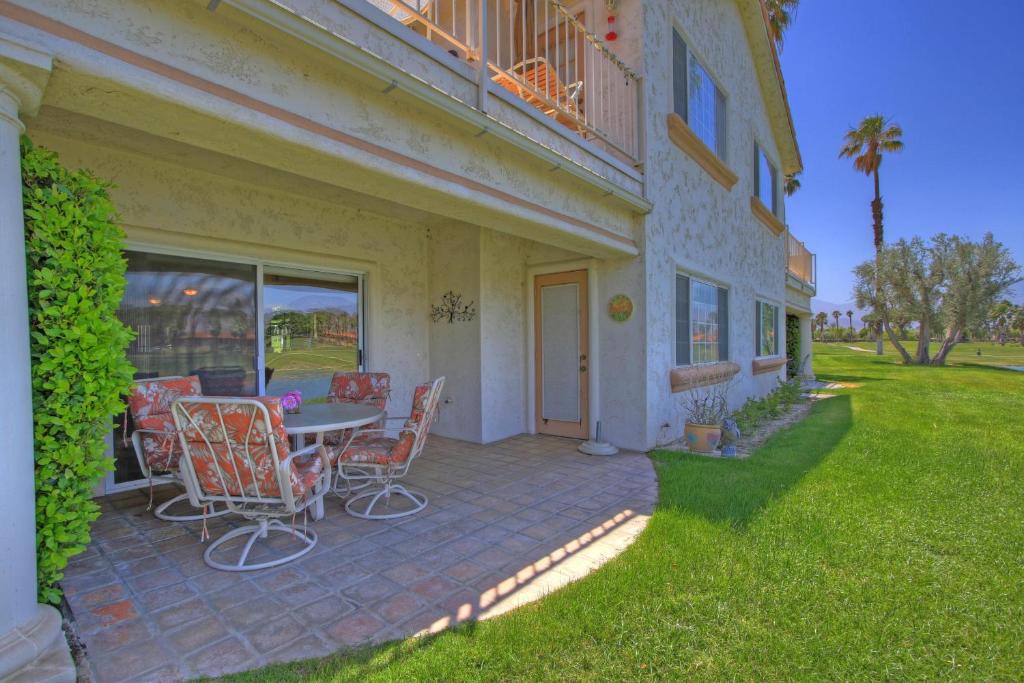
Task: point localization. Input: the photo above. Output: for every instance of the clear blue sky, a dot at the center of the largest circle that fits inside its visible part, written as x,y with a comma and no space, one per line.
950,73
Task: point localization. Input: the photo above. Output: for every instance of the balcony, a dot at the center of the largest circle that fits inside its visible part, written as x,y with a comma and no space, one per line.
541,53
801,263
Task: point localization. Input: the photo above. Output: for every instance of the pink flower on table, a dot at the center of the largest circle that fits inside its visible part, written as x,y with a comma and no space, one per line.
291,400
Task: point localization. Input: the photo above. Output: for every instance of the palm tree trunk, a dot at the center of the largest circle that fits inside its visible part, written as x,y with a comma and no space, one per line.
876,215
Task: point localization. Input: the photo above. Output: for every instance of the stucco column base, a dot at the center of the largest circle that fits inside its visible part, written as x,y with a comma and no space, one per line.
37,650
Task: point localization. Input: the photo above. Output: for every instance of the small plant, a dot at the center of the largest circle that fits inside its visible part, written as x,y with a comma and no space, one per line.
756,411
707,406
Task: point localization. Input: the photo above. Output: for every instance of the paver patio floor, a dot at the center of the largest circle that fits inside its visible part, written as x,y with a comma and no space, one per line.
507,523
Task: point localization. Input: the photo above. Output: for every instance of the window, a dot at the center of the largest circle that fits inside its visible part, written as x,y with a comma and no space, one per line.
702,322
696,98
766,180
767,329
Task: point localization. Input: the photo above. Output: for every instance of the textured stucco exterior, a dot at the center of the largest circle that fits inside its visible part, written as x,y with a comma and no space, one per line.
316,133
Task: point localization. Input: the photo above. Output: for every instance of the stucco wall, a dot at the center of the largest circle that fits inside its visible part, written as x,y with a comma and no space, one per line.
174,206
698,226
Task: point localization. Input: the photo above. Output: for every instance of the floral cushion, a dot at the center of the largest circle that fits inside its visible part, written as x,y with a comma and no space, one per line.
150,405
237,459
370,388
371,448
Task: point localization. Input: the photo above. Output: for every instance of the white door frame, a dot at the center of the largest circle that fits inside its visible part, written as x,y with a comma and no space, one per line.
593,364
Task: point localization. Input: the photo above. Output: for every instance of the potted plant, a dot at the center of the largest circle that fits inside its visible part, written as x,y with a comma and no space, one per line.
705,411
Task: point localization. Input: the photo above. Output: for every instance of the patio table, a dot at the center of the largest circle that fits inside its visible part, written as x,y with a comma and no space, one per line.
319,418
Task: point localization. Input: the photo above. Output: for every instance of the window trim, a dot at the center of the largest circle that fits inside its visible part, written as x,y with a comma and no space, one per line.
720,287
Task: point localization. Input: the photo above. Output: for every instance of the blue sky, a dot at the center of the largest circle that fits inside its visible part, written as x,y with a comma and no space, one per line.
952,74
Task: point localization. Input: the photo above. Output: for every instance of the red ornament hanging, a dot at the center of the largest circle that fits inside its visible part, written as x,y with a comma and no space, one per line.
611,36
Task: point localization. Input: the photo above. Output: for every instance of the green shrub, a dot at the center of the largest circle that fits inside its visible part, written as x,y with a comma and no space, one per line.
793,359
79,370
756,411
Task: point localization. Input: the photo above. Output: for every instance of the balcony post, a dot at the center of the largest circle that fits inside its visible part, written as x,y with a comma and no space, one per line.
484,48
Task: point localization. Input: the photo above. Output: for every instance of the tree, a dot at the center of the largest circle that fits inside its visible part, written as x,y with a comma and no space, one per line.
867,144
950,283
1000,321
849,314
836,314
975,275
791,184
821,320
1017,322
780,16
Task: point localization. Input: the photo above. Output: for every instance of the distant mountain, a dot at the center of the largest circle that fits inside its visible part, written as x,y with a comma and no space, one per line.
826,307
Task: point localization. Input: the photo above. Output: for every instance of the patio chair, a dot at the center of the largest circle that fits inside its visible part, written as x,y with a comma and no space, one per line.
382,460
235,452
536,81
156,442
368,388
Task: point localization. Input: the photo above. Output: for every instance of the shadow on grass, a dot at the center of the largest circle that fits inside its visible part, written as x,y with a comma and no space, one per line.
736,490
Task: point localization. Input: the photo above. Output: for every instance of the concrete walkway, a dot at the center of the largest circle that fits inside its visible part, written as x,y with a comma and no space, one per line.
507,523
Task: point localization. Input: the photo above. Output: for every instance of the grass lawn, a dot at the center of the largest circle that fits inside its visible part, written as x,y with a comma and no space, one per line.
992,354
319,356
882,537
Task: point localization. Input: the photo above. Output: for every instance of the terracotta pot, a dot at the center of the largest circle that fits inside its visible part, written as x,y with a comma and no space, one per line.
702,438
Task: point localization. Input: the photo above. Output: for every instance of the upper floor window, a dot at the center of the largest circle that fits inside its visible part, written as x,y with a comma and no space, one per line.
696,97
767,329
766,180
702,321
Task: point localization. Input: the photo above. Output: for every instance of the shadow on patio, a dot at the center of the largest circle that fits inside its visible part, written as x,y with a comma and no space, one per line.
507,523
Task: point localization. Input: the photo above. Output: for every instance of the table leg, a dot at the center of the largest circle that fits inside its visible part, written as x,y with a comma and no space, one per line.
318,506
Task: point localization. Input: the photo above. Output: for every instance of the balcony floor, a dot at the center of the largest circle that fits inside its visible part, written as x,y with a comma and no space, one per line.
507,523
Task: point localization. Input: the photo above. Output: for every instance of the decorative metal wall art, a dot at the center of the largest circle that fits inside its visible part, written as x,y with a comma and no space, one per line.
452,309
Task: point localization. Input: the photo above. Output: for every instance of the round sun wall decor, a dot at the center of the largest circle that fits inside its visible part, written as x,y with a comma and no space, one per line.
620,308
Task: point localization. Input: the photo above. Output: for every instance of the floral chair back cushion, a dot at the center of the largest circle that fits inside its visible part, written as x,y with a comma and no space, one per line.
370,388
150,405
230,449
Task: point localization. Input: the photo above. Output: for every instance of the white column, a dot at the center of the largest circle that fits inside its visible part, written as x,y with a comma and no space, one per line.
31,642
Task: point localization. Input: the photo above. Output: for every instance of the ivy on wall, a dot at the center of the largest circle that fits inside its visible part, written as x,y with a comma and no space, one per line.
793,360
79,370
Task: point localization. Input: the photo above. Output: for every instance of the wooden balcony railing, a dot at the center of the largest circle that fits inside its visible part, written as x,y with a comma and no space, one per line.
801,263
542,53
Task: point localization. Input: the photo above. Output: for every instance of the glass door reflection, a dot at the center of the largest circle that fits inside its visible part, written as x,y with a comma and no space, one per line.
190,317
311,330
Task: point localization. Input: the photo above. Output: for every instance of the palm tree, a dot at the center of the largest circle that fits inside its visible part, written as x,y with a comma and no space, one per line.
791,184
849,314
866,144
836,314
820,321
780,16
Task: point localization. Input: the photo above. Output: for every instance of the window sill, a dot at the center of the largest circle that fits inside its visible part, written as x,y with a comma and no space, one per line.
763,365
765,215
685,139
690,377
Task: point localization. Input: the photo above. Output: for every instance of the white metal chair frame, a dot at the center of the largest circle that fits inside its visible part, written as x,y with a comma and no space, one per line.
264,510
382,478
172,476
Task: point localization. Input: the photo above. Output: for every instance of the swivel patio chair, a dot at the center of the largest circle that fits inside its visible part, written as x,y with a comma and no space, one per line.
378,459
235,452
156,442
368,388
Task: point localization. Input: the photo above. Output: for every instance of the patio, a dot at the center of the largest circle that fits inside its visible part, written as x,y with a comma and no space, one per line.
507,523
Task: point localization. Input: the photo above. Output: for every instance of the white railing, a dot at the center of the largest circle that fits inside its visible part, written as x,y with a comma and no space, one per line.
800,260
543,54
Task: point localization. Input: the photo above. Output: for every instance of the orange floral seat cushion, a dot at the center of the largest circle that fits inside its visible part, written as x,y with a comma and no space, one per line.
372,448
150,405
369,388
237,459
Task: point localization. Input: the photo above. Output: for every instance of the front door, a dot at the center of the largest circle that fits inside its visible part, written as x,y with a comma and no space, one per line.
561,354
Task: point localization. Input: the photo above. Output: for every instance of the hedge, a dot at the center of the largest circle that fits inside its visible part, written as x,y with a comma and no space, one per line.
76,279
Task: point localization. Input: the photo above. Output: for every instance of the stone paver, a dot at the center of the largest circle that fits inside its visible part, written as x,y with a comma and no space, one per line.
507,523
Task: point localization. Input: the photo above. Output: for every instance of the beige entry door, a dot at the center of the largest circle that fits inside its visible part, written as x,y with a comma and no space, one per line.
561,354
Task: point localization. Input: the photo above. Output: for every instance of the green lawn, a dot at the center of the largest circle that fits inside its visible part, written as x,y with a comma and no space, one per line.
318,356
882,537
1012,353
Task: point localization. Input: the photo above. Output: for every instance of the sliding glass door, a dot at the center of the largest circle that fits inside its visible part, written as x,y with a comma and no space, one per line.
202,316
310,330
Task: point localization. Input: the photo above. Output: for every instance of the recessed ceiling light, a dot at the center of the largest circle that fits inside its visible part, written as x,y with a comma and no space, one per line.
189,291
